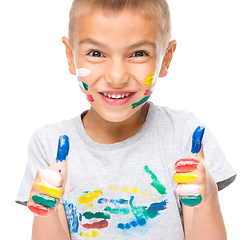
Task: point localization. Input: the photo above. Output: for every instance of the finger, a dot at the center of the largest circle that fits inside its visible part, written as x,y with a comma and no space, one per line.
45,201
186,165
191,201
60,163
197,147
184,178
187,190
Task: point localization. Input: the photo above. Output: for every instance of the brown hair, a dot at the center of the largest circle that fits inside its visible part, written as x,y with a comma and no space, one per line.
151,9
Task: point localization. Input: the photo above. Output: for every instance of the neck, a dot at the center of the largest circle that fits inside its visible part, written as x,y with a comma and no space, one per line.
105,132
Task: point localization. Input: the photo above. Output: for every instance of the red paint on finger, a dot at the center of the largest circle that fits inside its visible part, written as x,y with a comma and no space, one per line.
186,164
96,225
39,210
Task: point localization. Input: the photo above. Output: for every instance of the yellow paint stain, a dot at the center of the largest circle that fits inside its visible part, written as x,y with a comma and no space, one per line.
81,234
149,79
89,197
49,190
125,189
144,194
87,235
94,233
114,188
185,178
135,190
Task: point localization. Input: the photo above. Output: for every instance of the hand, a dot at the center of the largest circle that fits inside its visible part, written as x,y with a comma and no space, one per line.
49,184
196,186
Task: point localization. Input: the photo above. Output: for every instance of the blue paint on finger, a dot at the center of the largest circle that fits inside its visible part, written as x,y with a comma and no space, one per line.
197,139
63,148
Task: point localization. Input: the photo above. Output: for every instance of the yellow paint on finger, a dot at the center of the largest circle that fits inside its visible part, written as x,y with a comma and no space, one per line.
185,178
49,189
149,79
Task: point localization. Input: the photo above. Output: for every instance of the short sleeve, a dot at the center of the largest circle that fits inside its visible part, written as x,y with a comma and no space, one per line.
37,159
216,161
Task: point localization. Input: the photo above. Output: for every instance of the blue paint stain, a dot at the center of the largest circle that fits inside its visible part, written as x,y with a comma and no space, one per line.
113,201
63,148
72,216
60,171
121,226
197,139
133,224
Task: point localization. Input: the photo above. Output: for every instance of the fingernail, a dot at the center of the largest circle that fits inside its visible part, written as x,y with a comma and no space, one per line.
63,148
197,139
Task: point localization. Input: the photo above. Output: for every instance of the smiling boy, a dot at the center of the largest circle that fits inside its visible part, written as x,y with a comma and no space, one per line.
120,154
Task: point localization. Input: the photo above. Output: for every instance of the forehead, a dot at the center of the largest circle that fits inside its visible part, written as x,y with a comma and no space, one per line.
126,27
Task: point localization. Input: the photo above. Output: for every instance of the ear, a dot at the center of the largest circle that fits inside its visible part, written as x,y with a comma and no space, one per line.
168,58
70,56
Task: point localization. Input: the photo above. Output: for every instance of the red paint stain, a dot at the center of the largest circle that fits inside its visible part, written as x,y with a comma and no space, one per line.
148,92
90,98
97,225
186,164
39,210
71,190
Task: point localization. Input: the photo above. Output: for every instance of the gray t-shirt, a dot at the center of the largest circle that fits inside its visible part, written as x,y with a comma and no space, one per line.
125,190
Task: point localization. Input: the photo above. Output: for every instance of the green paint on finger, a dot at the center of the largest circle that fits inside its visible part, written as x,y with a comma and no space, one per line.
45,201
156,183
191,200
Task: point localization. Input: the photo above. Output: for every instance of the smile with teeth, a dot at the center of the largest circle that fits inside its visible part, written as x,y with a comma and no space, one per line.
116,96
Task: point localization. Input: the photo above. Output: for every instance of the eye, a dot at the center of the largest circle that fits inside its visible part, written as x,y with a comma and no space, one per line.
95,54
139,54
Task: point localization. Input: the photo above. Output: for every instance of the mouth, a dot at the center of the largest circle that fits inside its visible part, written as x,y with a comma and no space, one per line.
116,98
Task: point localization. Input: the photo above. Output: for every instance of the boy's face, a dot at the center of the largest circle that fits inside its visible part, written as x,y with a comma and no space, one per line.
114,59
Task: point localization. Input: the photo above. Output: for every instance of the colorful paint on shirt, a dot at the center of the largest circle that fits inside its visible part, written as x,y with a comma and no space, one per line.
156,183
149,79
89,197
72,217
134,105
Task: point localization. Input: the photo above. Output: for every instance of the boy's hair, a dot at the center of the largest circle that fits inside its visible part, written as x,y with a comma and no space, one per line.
151,9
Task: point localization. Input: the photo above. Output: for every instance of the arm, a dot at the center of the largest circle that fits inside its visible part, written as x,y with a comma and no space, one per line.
199,195
55,226
205,222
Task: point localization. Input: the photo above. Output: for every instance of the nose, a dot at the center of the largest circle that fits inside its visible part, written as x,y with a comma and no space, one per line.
117,75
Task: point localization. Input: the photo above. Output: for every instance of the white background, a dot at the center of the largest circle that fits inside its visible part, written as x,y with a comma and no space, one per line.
207,76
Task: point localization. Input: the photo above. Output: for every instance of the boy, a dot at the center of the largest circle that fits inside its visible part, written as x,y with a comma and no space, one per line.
120,155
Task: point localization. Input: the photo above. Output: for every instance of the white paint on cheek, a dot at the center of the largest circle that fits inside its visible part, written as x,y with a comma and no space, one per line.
51,177
188,190
82,72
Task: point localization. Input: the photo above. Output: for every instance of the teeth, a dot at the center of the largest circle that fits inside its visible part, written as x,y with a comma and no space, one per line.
118,96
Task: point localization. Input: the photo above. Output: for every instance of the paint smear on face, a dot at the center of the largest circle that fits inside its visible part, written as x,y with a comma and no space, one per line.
187,189
51,177
156,183
82,72
148,92
149,79
90,98
89,197
98,225
134,105
39,210
72,216
49,189
83,85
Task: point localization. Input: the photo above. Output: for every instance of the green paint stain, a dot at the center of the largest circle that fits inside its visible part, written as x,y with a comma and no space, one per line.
134,105
83,85
123,211
90,215
191,200
45,201
156,183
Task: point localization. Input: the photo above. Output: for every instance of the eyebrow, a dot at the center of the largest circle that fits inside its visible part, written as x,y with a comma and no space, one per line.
136,45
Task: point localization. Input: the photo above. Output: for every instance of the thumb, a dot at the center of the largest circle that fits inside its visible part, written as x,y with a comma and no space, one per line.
60,163
197,146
